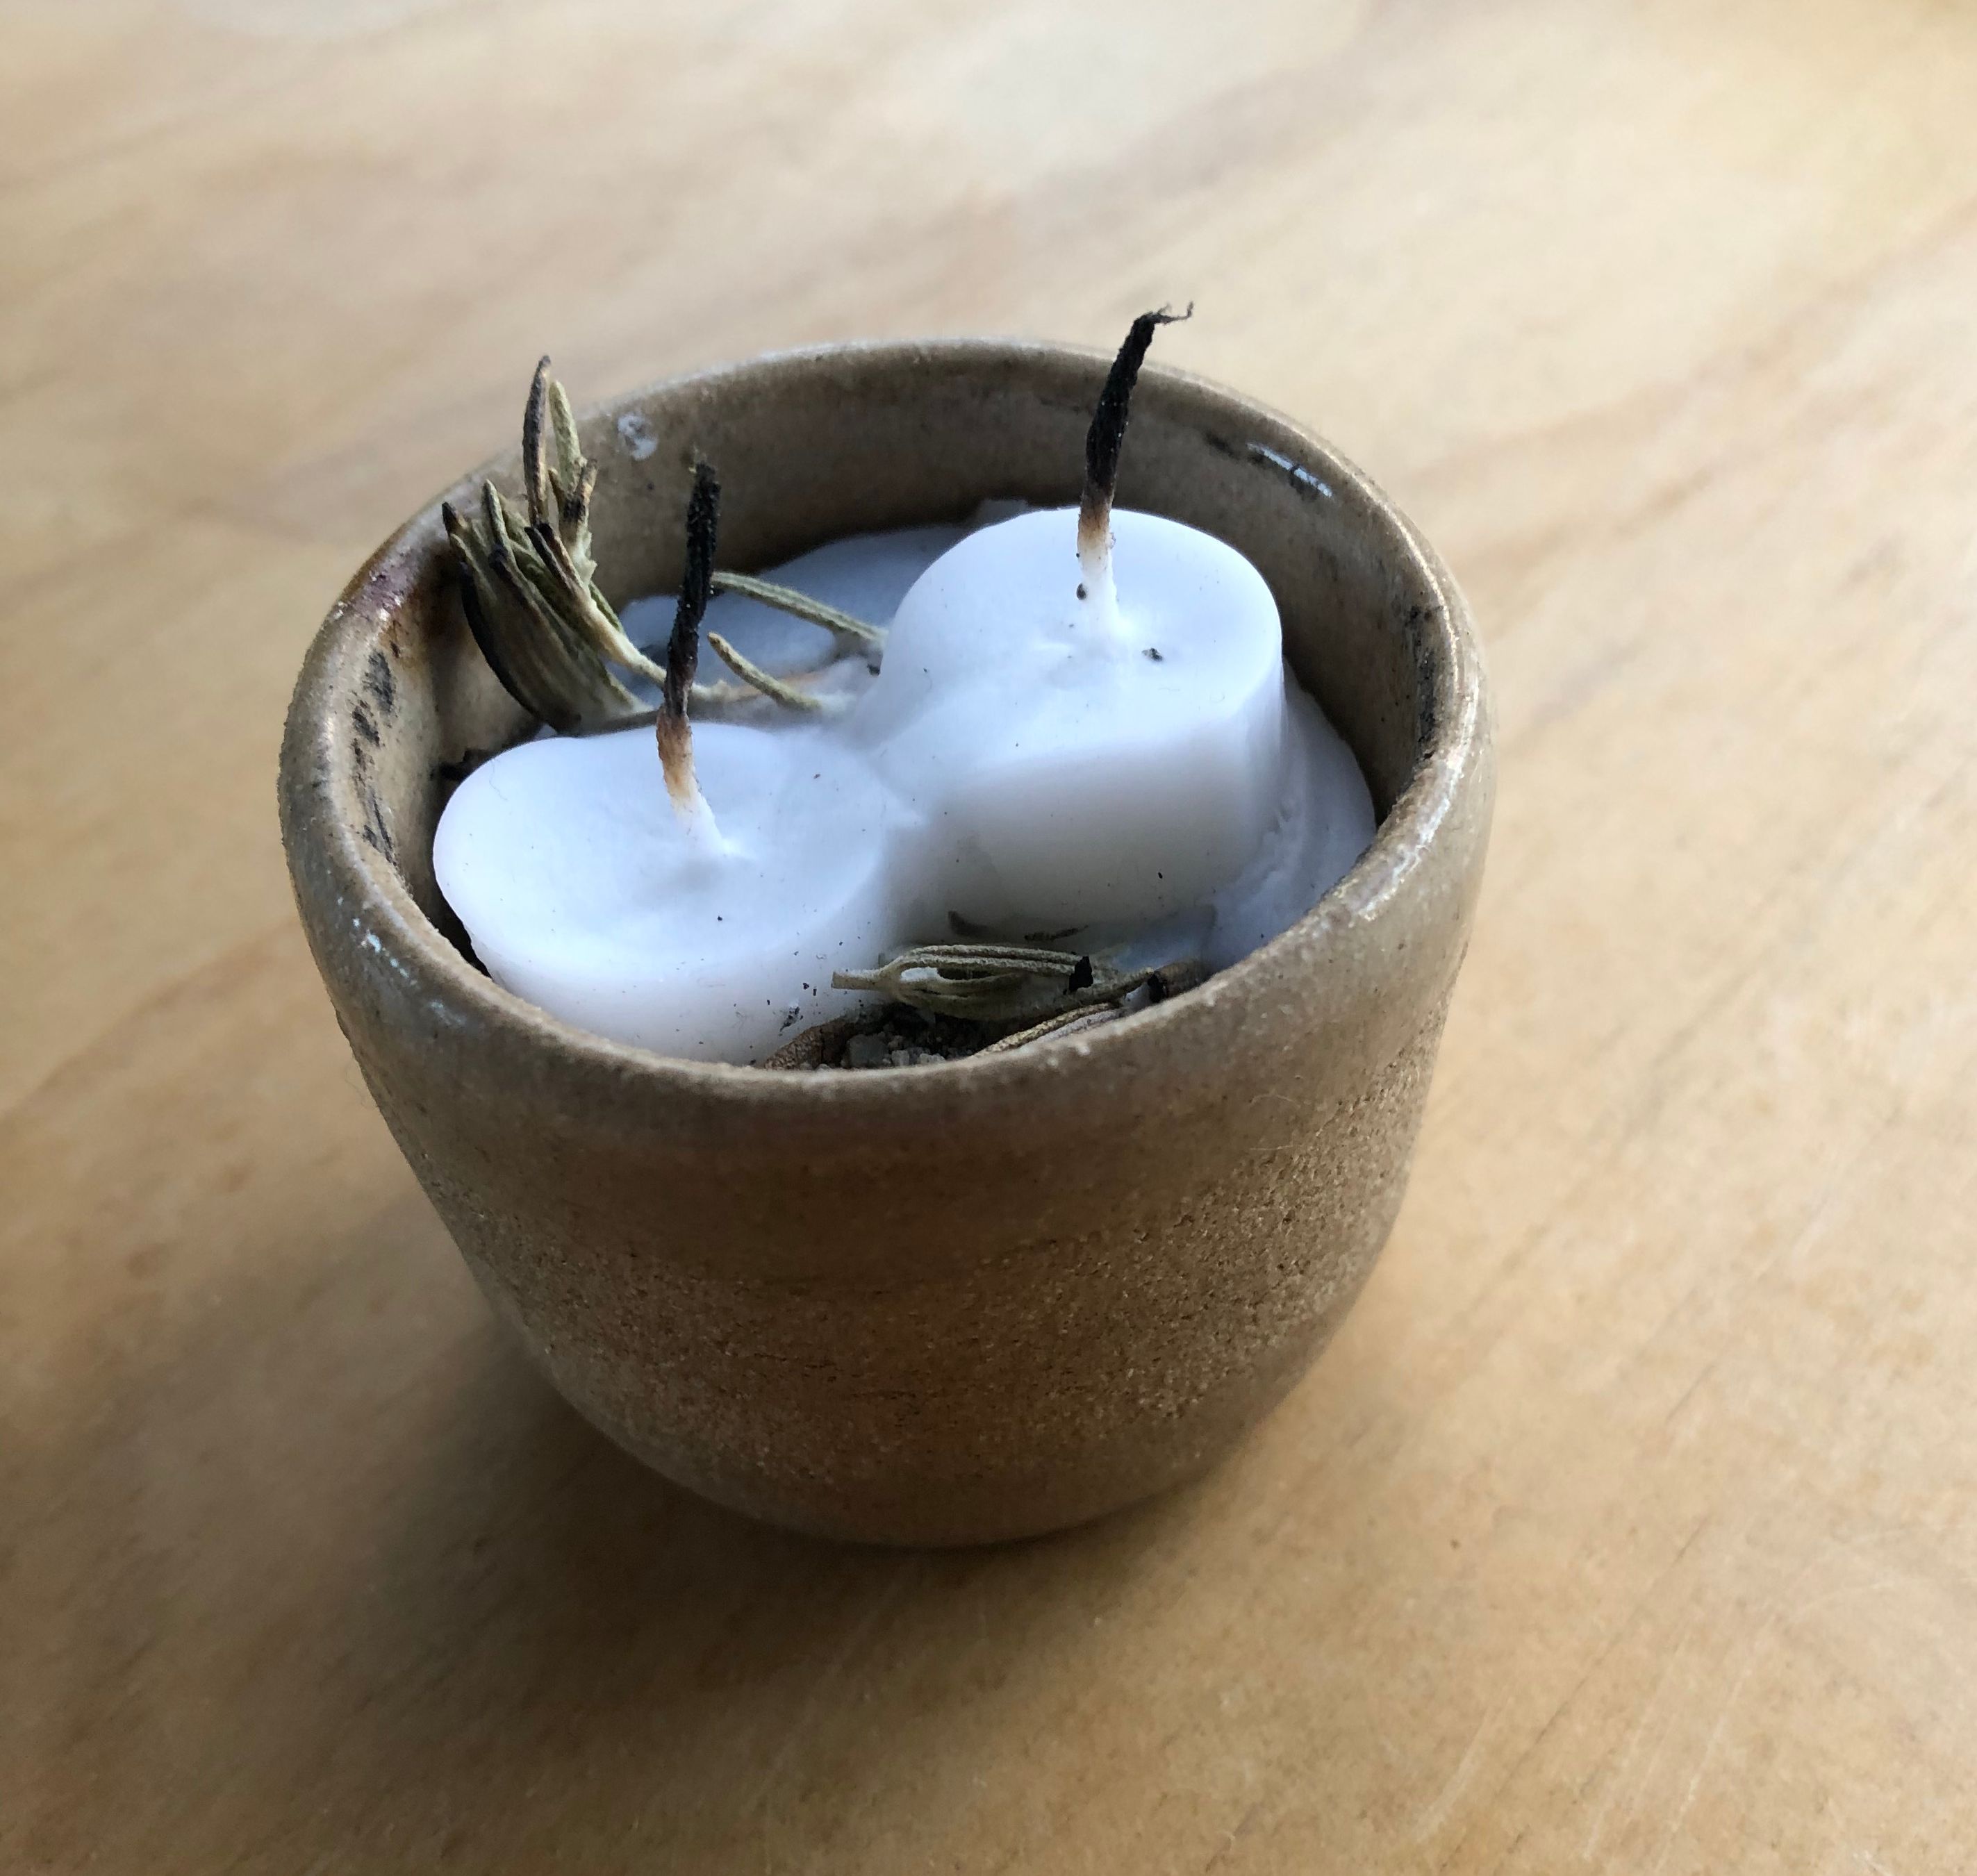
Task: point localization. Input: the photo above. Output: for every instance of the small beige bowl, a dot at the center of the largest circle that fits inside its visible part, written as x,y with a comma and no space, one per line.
934,1305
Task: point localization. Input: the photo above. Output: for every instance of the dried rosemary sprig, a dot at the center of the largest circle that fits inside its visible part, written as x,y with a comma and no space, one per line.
1103,444
951,1021
542,661
990,982
785,691
853,634
1066,1022
530,587
533,601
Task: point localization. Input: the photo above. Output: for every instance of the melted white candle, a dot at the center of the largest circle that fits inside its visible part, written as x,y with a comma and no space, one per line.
1324,821
1074,763
586,893
1021,763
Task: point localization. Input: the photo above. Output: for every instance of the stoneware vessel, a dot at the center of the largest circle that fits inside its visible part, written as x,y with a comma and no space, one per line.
932,1305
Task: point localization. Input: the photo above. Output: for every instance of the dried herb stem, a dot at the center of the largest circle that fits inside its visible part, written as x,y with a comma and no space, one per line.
1005,996
790,696
995,983
1069,1023
715,701
529,589
852,633
547,668
558,528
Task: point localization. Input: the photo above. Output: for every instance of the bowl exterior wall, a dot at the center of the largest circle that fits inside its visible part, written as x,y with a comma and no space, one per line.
936,1305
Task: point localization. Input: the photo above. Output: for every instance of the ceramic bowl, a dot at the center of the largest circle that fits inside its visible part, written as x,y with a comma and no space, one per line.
939,1304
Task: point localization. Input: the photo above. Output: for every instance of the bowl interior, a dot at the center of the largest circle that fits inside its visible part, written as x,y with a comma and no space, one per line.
814,445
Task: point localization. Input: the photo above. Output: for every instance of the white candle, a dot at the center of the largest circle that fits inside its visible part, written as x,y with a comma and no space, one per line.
1324,821
1074,763
586,893
620,901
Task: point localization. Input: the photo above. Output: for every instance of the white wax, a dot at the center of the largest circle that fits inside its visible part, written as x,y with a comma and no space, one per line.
1065,774
1324,821
584,892
1020,764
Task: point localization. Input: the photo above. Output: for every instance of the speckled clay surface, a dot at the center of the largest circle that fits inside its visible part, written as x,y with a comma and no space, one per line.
926,1305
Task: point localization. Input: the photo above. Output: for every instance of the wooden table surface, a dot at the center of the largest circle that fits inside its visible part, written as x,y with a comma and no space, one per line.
1631,1522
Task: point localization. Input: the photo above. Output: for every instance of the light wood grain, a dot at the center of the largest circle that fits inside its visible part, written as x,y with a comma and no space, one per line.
1630,1523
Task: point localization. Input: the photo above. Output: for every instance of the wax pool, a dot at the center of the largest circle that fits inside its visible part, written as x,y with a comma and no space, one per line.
1023,762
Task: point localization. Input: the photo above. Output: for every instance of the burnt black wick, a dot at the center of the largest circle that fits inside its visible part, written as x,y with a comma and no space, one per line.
674,731
703,531
1106,439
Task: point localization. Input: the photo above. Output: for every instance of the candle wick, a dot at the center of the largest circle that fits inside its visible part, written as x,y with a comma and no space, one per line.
674,729
1104,443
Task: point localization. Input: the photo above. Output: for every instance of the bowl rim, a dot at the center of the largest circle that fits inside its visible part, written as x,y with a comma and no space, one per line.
383,918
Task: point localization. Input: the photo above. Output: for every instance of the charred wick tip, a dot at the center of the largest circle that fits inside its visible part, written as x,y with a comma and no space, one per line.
703,527
1106,437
